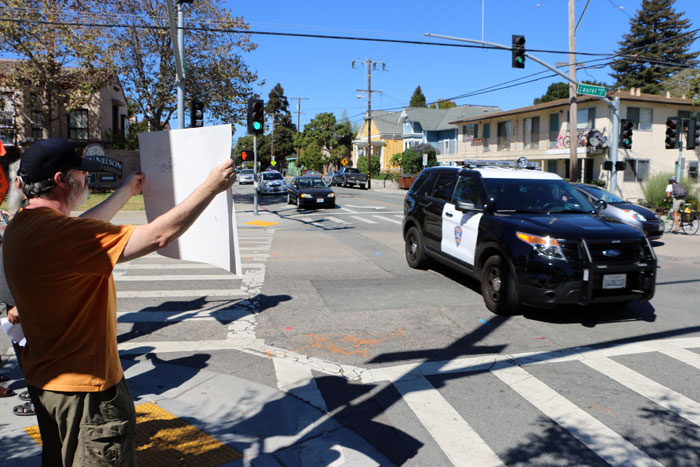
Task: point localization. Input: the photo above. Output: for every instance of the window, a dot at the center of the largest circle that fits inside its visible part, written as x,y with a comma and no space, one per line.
552,166
36,116
486,133
641,117
470,132
7,118
585,118
443,188
78,124
467,191
419,182
531,133
553,129
504,132
636,170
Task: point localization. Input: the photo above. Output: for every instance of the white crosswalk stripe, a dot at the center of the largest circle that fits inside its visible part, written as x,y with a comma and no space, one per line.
393,221
363,219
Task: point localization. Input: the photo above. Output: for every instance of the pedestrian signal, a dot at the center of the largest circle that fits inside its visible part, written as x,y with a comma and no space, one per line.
244,155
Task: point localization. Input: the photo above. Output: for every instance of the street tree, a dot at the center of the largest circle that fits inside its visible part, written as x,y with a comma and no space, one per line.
311,157
59,63
282,133
333,139
443,104
560,90
142,53
417,99
656,46
683,83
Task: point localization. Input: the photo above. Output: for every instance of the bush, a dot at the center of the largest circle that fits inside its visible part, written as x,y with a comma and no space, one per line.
411,160
362,164
655,190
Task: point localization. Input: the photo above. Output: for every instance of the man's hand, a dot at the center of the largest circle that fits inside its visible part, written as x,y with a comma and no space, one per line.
134,183
12,315
221,177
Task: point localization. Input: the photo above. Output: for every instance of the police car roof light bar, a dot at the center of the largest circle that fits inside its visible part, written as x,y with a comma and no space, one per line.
521,163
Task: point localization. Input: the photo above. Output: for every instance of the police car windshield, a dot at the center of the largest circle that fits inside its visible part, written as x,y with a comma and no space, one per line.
536,196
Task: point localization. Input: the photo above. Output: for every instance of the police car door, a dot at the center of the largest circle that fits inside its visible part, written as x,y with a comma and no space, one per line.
460,226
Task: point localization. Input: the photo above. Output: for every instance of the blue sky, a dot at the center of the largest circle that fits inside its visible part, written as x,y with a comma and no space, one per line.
321,70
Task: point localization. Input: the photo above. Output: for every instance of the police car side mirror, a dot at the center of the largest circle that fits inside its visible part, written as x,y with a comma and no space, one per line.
601,205
490,204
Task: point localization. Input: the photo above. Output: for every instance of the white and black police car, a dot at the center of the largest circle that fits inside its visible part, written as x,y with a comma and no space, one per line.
527,235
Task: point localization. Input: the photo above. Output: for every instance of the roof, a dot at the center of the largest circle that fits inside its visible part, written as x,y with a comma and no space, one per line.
387,122
623,95
442,119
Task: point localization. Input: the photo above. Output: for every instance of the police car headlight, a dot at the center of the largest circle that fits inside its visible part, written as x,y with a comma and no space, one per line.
634,215
545,246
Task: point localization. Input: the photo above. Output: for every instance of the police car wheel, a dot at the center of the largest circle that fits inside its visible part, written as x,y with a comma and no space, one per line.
415,254
497,288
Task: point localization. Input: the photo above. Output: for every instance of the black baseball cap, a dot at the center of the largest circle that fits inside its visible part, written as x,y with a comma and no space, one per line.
43,159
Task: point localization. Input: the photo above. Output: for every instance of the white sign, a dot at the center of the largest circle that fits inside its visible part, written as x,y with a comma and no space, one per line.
175,163
425,160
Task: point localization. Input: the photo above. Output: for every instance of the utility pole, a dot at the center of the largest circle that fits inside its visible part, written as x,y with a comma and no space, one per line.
573,107
177,36
369,64
299,99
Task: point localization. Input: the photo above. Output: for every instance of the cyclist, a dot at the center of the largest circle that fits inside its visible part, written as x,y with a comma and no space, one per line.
677,202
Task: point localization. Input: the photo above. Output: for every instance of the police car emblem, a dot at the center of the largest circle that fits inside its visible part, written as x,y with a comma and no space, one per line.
612,253
458,235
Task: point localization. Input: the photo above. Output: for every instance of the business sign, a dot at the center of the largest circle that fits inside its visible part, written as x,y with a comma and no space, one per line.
112,166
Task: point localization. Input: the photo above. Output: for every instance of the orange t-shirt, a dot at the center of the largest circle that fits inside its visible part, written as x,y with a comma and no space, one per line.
59,270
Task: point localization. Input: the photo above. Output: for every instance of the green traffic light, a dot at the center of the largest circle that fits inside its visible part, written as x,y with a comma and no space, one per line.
257,125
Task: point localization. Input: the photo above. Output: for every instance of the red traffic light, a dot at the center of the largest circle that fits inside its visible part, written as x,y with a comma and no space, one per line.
244,154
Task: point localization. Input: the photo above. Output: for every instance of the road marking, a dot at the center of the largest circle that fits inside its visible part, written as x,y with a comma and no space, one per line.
386,219
348,210
605,442
655,392
460,443
362,219
124,266
298,380
169,316
399,217
179,293
366,207
336,220
177,277
683,355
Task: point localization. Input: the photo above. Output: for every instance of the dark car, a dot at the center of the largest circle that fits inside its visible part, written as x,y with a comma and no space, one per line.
310,192
617,208
529,237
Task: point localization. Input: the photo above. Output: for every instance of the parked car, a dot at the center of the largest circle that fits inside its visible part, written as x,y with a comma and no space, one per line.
310,191
528,236
271,182
350,176
617,208
246,177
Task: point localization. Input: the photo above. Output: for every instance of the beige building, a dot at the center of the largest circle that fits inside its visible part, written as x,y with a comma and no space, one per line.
541,133
22,121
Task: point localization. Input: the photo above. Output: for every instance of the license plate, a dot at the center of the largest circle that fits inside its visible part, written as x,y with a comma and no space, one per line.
614,281
320,200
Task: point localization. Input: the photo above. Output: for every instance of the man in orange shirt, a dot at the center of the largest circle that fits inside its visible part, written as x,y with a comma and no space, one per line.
59,270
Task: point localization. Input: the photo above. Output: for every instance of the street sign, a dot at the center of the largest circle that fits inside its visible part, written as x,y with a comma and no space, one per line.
425,160
344,161
590,90
273,162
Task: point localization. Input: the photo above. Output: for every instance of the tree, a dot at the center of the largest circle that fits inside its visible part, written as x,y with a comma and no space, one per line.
417,99
311,157
143,56
282,132
59,64
411,160
554,91
443,104
362,164
329,136
656,46
683,83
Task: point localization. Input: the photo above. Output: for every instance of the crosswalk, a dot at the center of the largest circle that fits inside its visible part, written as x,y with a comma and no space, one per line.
348,219
584,405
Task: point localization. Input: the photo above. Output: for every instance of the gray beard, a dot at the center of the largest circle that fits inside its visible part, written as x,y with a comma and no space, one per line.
78,194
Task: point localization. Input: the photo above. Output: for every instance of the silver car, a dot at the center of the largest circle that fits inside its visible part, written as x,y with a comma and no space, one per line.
271,182
617,208
246,177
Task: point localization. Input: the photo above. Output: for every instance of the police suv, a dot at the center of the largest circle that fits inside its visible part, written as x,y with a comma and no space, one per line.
527,235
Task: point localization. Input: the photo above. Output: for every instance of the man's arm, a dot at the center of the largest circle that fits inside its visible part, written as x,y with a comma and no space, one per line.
167,227
106,210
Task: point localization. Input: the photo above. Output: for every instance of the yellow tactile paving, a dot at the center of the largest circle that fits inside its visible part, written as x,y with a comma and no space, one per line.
261,223
162,439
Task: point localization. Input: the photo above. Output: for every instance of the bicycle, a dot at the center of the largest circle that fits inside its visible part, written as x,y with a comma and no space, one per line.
689,220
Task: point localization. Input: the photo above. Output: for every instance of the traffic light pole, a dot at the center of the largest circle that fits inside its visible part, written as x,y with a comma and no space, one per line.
614,107
255,174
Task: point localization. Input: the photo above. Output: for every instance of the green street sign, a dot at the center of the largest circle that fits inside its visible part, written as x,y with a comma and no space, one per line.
590,90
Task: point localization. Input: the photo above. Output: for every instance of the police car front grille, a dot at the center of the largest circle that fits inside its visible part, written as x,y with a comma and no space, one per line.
606,252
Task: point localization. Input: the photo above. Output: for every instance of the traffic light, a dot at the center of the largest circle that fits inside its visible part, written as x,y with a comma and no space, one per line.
244,154
196,114
518,51
256,116
693,135
626,133
672,124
